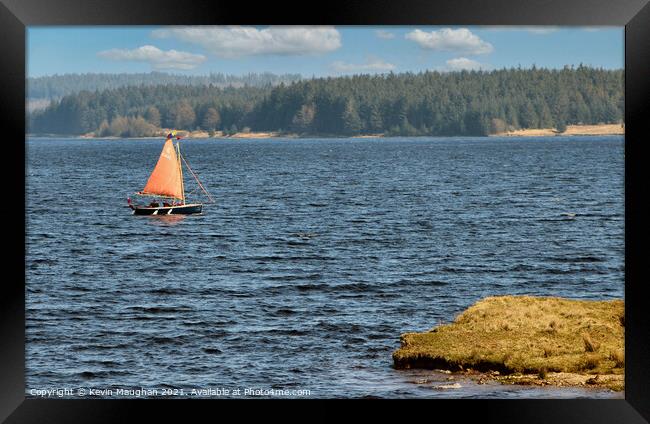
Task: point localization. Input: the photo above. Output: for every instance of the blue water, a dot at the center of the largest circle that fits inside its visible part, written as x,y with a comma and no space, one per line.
316,256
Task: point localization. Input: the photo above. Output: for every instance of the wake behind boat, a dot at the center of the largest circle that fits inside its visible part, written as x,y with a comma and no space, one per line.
166,186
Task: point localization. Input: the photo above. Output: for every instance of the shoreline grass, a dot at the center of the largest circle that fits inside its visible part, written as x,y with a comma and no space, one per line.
540,337
572,130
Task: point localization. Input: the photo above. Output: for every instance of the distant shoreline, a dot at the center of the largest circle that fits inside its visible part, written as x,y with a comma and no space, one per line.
572,130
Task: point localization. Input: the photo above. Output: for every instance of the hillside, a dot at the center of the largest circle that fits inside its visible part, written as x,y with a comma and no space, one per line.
431,103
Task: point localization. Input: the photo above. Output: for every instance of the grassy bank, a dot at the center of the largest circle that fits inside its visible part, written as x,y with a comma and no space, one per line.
601,129
529,340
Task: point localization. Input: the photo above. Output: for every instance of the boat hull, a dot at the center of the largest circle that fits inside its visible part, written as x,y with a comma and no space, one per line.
169,210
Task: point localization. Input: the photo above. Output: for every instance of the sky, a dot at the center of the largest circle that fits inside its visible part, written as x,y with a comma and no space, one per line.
316,51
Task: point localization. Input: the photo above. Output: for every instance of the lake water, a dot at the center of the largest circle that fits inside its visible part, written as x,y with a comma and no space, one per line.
316,256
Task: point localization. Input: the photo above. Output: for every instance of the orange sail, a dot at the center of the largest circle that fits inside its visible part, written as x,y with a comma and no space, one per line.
166,178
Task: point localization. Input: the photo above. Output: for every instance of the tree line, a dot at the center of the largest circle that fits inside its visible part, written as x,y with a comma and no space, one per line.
471,103
57,86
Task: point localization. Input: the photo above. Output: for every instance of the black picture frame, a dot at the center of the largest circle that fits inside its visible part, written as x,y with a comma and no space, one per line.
15,15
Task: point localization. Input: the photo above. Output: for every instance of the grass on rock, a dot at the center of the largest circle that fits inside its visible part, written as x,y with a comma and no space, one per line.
523,334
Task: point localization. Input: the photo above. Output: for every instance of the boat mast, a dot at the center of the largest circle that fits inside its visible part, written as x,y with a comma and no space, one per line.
180,168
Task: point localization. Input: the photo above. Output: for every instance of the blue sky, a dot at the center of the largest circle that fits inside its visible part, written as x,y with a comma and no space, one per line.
318,51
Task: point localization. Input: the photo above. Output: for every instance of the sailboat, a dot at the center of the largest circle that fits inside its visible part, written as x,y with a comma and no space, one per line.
166,183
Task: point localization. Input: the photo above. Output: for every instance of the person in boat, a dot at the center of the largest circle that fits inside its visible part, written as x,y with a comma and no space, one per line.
166,204
154,204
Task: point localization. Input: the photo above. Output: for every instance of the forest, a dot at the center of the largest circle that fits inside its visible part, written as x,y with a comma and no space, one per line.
465,103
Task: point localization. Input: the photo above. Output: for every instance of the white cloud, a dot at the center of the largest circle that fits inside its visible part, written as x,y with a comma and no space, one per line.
372,65
463,63
459,40
237,41
159,59
386,35
542,30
